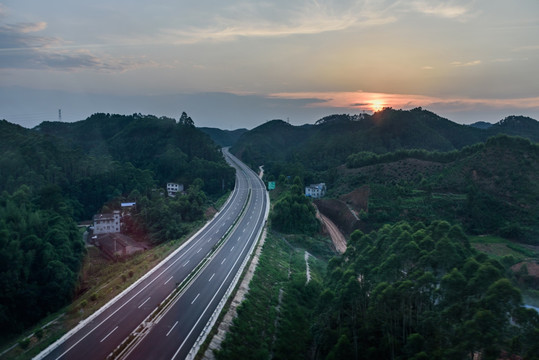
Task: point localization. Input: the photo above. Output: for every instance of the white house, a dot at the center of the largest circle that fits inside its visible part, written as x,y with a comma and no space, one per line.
107,223
315,190
173,188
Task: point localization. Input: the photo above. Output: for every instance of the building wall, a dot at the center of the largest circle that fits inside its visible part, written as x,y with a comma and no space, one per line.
315,190
107,223
173,188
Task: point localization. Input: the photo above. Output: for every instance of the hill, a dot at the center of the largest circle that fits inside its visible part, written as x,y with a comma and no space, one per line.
518,126
223,138
489,187
329,142
271,141
173,151
35,159
481,125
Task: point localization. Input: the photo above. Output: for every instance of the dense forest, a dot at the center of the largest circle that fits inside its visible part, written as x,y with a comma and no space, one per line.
61,173
411,291
41,251
172,150
293,213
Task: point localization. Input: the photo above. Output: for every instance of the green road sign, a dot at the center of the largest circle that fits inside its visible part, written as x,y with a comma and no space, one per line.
271,185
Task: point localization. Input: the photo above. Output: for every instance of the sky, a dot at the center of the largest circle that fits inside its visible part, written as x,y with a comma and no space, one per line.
237,63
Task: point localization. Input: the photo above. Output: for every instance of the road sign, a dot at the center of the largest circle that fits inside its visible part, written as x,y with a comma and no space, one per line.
271,185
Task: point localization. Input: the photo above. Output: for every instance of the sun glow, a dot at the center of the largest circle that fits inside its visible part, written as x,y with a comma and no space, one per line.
377,105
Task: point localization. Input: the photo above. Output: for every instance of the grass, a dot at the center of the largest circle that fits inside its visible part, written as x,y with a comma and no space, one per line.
264,325
487,239
498,247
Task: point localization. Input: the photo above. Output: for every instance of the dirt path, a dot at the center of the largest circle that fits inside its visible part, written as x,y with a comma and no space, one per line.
308,269
336,236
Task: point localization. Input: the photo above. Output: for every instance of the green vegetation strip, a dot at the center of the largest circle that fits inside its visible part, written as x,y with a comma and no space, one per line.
136,336
274,318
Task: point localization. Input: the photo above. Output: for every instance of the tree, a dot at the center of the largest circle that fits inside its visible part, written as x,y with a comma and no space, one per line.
186,120
418,292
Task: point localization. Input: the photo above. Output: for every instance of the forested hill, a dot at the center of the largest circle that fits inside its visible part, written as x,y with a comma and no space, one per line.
174,151
273,140
490,188
223,137
34,159
333,138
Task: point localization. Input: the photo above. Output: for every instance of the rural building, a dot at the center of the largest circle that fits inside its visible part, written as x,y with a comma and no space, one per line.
117,246
173,188
107,223
315,190
127,207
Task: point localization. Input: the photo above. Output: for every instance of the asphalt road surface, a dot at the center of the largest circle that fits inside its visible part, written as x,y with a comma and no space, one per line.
174,334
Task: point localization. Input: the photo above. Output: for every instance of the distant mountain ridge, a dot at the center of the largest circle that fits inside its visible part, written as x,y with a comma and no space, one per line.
481,125
223,138
328,143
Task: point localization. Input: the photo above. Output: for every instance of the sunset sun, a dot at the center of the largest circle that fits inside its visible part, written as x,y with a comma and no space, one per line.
377,105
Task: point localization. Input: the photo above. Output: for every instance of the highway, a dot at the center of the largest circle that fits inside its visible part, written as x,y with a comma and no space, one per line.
173,334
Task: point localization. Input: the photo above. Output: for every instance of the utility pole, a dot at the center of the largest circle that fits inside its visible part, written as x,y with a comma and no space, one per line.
59,114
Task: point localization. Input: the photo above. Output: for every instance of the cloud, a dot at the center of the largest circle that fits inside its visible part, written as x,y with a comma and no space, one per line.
526,48
20,48
16,37
30,27
469,63
288,19
359,100
444,9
